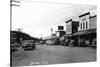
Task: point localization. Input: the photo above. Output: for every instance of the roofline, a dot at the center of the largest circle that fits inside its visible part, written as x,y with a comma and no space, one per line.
75,21
84,14
93,16
68,21
60,31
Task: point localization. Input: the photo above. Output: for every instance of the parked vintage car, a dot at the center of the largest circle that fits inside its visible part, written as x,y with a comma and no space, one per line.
72,43
94,43
28,45
81,43
14,47
57,42
67,42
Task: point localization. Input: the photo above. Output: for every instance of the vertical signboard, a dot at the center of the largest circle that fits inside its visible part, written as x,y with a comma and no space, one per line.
69,27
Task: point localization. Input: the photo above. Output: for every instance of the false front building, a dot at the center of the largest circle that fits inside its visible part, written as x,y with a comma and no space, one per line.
71,28
86,34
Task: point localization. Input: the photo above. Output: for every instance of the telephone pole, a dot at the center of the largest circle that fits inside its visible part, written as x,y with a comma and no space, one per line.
51,31
13,3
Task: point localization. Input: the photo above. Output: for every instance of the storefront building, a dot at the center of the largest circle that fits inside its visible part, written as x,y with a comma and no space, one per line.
71,28
86,34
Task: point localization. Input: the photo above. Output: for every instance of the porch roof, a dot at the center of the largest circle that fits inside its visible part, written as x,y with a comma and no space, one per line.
89,31
68,35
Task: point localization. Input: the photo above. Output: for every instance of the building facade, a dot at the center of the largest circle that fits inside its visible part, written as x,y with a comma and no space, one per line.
60,32
87,30
71,28
84,22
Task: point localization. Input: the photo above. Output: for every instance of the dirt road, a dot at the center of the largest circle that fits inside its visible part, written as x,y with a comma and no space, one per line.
53,55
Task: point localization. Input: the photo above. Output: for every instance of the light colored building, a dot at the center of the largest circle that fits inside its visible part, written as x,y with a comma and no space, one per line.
84,22
87,29
87,22
60,32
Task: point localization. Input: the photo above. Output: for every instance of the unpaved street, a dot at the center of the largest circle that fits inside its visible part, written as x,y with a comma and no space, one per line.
53,55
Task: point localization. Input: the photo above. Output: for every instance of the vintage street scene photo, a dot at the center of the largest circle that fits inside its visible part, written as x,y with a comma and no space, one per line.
44,33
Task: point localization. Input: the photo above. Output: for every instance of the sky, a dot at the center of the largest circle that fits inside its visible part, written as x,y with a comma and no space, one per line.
37,18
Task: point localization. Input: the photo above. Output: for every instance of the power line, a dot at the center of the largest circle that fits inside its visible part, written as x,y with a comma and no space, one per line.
14,5
14,1
45,2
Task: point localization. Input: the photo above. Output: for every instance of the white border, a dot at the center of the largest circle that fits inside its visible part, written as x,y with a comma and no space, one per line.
5,32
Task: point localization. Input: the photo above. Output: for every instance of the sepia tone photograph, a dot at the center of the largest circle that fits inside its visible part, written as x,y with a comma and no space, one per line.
44,33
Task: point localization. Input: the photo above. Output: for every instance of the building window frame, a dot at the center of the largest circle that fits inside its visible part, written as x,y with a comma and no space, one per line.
86,25
83,25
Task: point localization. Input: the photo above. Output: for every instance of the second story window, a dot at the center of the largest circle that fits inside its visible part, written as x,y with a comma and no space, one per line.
83,26
86,25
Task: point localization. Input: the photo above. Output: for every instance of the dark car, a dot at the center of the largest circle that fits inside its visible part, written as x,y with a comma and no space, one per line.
28,45
94,43
72,43
14,47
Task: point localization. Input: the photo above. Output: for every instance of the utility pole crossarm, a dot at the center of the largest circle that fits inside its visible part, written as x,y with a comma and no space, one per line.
14,3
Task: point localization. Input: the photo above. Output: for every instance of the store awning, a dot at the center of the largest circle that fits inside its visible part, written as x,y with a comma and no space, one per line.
90,31
68,35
